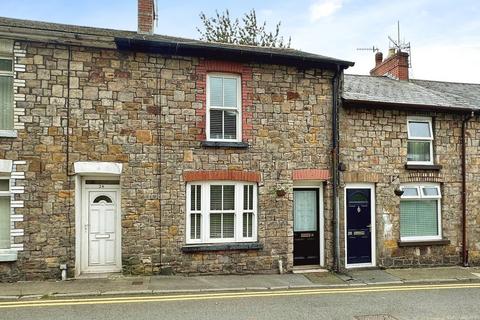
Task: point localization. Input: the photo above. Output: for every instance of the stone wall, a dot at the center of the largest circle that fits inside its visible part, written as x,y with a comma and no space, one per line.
374,148
289,128
86,104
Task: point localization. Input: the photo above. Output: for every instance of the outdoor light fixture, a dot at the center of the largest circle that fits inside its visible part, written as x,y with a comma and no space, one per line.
398,192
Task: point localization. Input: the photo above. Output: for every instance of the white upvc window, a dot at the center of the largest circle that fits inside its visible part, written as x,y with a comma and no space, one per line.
420,212
224,107
6,91
420,141
221,212
5,212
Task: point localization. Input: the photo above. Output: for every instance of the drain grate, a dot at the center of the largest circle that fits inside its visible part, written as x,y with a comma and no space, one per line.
375,317
137,282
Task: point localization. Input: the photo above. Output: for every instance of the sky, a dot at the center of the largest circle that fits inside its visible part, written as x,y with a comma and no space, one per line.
444,34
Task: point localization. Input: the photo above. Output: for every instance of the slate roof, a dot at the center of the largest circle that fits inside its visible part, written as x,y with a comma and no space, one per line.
419,93
109,38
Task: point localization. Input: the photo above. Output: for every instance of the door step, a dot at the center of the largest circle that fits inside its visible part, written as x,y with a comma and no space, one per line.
309,269
102,275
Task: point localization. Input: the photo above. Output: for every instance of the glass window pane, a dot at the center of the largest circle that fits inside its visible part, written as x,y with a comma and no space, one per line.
230,92
4,185
419,129
245,197
247,224
215,225
199,198
418,218
6,65
195,222
418,150
215,197
430,191
228,225
192,197
6,102
230,120
216,91
250,197
216,124
305,211
4,222
229,197
410,192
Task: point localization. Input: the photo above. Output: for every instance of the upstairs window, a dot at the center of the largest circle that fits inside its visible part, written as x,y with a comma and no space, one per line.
420,212
6,85
420,141
223,108
221,212
5,212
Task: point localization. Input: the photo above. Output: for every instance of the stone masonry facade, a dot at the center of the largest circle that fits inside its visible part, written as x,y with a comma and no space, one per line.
144,111
374,148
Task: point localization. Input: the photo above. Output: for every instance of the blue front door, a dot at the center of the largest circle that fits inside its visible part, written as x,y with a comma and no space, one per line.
359,222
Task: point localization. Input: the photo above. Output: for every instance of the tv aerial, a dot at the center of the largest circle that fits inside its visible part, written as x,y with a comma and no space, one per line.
400,45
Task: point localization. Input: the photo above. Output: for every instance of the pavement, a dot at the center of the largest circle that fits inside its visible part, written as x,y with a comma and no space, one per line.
126,285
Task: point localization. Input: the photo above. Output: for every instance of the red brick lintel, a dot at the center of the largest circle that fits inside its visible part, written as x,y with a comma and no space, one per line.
311,174
231,175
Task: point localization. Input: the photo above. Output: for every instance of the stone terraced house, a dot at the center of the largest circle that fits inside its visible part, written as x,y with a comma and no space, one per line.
146,154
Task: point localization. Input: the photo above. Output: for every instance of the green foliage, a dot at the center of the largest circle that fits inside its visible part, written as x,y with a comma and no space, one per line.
223,28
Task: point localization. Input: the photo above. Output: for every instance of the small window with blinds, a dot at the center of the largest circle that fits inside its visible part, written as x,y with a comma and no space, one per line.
420,213
5,213
6,85
420,141
221,212
223,107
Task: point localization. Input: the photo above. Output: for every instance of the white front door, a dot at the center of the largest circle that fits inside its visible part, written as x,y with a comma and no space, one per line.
101,229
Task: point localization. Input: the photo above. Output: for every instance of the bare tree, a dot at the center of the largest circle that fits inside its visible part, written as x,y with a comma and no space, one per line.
223,28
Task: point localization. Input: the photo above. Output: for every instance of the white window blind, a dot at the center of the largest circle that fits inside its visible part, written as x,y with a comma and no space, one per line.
224,112
6,94
5,198
229,216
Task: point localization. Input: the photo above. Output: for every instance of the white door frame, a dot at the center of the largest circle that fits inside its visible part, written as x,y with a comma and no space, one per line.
81,224
370,186
307,185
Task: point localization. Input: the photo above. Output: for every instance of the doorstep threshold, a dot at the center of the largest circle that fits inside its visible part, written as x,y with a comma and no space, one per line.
98,275
309,269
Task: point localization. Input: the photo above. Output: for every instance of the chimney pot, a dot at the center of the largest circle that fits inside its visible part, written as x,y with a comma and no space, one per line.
146,16
378,58
391,52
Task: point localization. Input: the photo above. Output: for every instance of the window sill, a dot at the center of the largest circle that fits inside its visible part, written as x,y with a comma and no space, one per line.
8,133
224,144
422,243
222,247
433,167
7,255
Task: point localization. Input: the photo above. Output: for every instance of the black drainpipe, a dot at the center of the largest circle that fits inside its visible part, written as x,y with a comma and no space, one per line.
465,120
335,174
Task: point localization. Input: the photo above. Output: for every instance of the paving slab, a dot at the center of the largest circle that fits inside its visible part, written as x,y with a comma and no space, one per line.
433,274
227,281
325,278
374,276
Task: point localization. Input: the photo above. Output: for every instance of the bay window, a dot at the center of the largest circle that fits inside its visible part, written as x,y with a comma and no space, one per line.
221,212
223,107
420,141
420,212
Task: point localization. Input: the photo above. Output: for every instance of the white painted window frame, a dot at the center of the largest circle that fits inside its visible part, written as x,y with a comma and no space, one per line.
205,213
8,254
430,140
238,109
8,132
421,196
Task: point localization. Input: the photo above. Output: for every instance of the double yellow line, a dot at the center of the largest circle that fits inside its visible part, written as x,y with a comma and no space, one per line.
229,295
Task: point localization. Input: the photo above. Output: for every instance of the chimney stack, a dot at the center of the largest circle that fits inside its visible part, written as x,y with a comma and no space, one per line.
146,16
378,58
394,66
